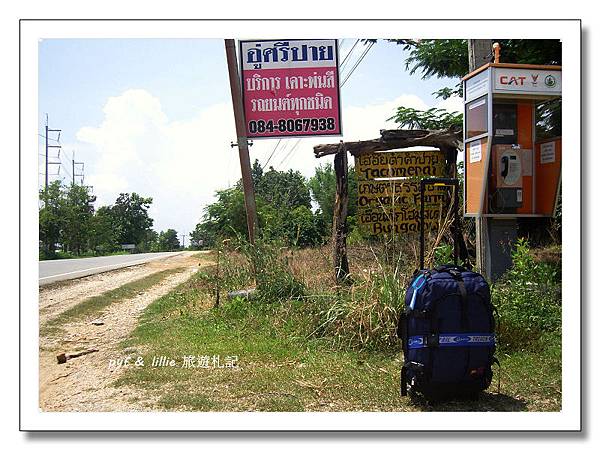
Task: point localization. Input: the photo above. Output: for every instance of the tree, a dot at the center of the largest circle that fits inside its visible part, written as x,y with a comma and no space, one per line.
432,119
322,187
168,241
283,189
51,217
130,218
103,237
283,204
198,239
306,227
226,217
449,58
77,217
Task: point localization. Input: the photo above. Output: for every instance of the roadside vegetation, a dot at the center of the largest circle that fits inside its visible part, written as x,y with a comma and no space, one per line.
303,343
71,227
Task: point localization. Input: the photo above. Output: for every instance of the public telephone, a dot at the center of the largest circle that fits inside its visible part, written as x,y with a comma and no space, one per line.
509,171
507,178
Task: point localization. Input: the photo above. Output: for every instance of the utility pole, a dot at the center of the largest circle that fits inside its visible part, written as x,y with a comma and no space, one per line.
242,139
82,169
48,146
183,239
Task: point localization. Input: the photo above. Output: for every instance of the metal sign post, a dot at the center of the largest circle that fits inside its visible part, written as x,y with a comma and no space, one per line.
242,139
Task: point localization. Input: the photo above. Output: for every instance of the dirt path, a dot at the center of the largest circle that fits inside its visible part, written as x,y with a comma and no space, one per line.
84,383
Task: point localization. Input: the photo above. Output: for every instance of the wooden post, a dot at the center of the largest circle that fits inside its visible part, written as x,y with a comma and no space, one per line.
450,154
218,284
242,139
340,213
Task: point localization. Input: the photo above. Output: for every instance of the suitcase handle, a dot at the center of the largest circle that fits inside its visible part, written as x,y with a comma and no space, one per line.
447,182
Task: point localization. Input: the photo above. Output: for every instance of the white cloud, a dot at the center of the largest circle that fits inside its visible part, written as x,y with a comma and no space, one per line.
359,123
180,164
452,104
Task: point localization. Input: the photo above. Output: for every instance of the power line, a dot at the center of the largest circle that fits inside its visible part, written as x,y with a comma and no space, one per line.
341,66
50,139
48,146
289,153
272,153
360,59
66,164
348,54
358,62
284,147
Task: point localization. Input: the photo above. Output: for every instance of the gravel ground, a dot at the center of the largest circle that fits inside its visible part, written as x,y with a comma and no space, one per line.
84,383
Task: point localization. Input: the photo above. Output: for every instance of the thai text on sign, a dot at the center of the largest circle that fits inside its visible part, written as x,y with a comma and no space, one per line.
400,165
290,87
387,206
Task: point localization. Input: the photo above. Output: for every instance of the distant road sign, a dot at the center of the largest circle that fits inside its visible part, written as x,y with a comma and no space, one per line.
127,246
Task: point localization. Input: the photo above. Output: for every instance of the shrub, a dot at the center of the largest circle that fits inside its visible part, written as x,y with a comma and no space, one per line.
444,254
274,280
365,315
528,298
262,264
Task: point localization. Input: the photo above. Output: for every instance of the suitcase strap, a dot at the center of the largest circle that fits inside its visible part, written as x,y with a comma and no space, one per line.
452,340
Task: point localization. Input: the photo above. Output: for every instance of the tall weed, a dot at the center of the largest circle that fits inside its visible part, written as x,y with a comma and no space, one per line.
528,298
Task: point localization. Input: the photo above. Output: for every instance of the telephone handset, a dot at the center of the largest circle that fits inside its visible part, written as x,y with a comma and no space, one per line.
510,168
504,170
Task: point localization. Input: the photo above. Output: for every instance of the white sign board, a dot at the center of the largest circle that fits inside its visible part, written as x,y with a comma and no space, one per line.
127,246
475,151
527,81
547,153
476,86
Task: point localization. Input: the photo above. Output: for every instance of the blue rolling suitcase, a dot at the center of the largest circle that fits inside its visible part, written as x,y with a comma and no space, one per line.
447,328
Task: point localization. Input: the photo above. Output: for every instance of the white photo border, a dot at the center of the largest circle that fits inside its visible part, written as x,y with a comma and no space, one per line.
568,419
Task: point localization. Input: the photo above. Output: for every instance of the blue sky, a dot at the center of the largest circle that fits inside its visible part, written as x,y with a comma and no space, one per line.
154,116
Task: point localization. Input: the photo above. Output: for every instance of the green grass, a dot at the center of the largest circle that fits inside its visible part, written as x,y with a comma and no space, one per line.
281,368
94,305
69,255
199,254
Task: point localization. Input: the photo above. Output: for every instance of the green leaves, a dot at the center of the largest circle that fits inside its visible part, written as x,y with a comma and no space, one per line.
130,217
438,57
432,119
167,240
65,218
322,187
67,221
283,204
528,298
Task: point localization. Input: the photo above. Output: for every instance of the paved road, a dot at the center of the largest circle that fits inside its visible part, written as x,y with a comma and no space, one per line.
67,269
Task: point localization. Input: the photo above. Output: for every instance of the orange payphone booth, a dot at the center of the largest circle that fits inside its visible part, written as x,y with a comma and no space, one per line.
509,172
